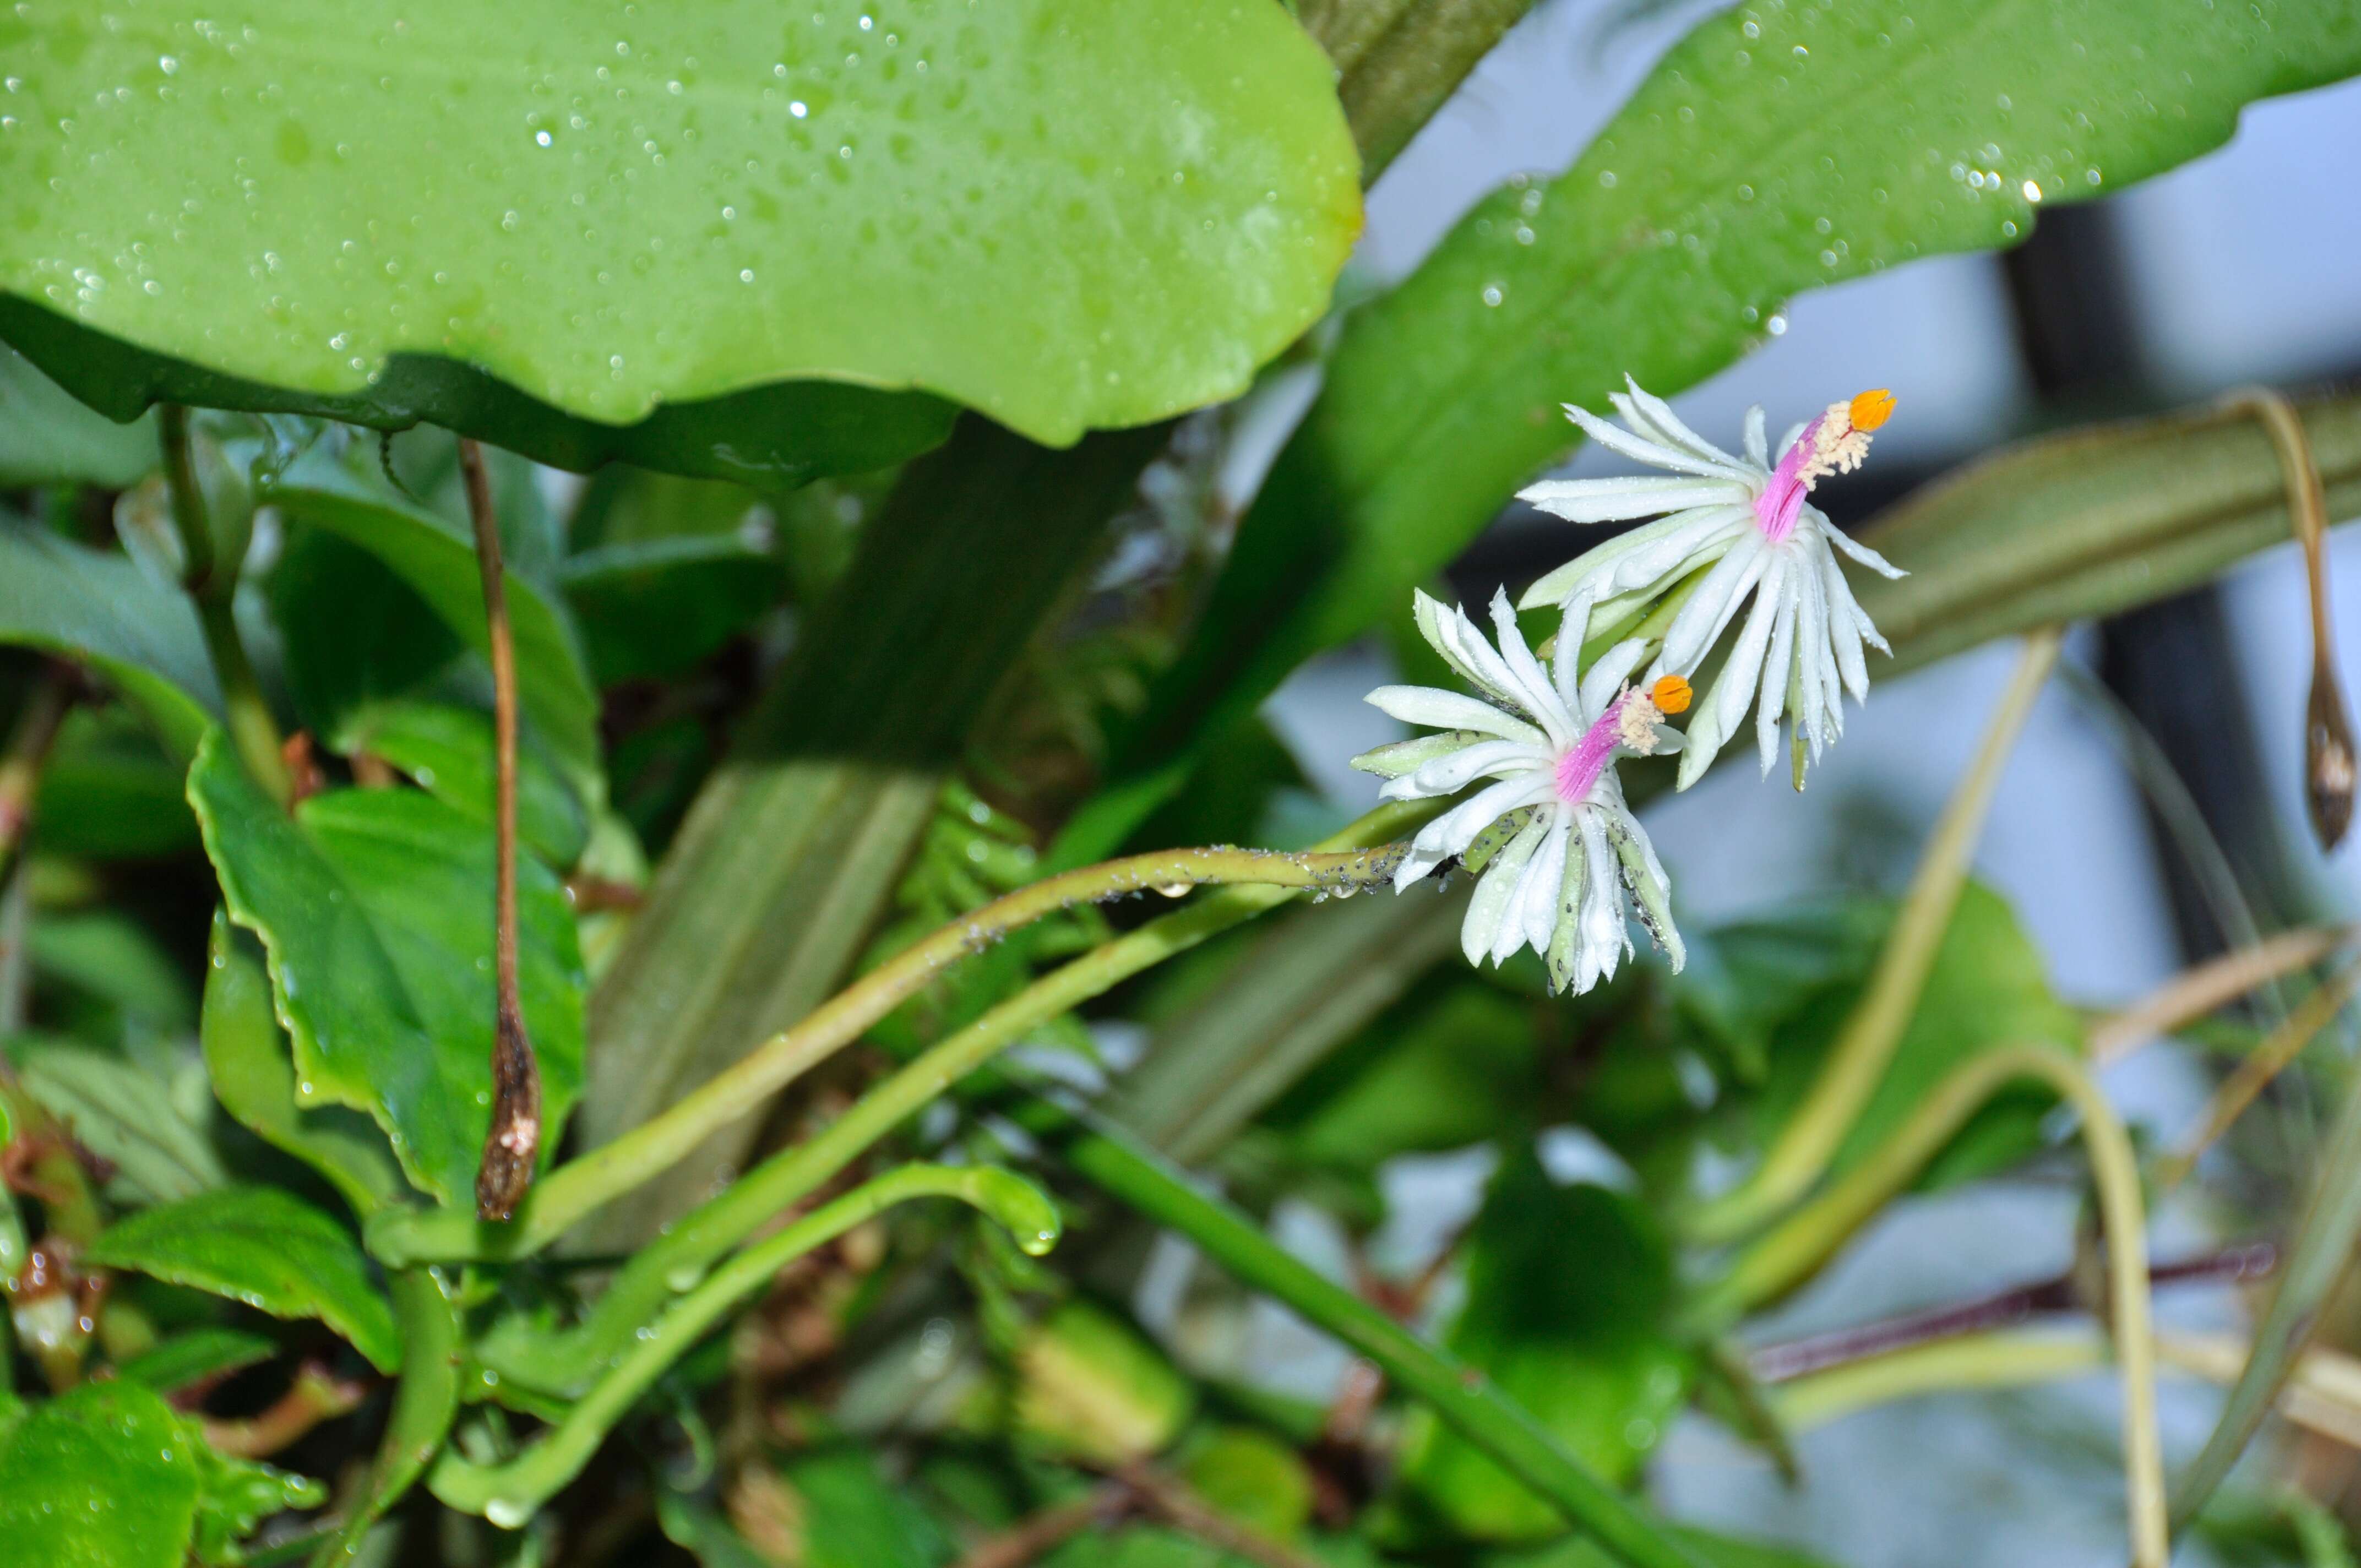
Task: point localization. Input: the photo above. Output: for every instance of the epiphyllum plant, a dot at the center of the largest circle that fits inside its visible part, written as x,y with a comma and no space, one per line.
1551,836
1733,526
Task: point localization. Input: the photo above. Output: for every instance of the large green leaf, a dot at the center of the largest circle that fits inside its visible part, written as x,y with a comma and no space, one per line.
106,1477
110,791
1776,148
1065,215
1567,1290
448,751
375,907
266,1248
103,610
437,562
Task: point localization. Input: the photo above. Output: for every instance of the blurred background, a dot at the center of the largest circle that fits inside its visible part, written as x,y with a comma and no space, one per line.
2236,269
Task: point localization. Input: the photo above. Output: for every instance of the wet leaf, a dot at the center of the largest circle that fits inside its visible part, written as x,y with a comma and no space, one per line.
376,908
448,751
247,1056
1567,1287
266,1248
351,632
1066,219
106,1477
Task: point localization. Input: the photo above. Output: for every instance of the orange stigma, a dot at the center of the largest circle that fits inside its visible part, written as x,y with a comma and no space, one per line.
1670,694
1871,409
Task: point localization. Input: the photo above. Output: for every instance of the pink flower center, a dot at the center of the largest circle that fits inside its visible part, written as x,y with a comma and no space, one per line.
1578,768
1782,500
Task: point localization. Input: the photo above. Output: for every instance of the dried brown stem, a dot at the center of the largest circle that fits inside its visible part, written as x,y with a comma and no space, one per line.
1818,1352
1039,1533
2264,1063
2194,992
2328,746
514,1141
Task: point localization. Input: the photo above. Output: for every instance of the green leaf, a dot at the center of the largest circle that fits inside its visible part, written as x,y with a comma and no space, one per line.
254,1078
351,632
1775,149
109,792
1087,1384
47,438
1066,219
106,1477
1567,1288
198,1355
123,1115
104,611
448,751
1987,989
852,1518
438,563
659,607
1456,1064
785,434
112,958
235,1495
266,1248
375,907
1253,1477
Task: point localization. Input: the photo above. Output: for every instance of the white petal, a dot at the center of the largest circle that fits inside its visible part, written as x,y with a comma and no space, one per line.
1560,584
1448,632
1757,451
1449,776
1532,908
1538,692
1603,939
1495,890
1450,833
1844,631
1652,415
1700,622
1645,874
1615,438
1841,602
1793,431
1772,705
1613,500
1440,709
1860,552
1399,758
1606,678
1704,533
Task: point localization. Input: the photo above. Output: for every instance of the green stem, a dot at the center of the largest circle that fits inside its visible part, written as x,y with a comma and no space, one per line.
1792,1252
1857,1060
423,1407
212,585
508,1494
581,1185
560,1362
1460,1395
2004,1358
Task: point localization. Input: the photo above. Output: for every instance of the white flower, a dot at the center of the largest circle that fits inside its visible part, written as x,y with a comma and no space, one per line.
1551,836
1739,526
